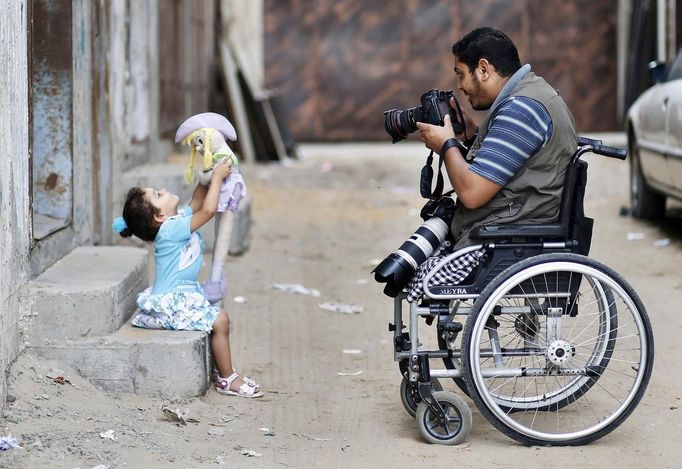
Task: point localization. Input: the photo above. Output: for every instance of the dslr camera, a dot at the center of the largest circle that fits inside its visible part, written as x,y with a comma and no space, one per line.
398,268
434,107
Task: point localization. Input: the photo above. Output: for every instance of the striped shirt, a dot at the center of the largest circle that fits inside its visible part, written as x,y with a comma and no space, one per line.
519,128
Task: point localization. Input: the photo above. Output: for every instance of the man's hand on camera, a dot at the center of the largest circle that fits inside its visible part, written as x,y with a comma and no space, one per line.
434,136
470,127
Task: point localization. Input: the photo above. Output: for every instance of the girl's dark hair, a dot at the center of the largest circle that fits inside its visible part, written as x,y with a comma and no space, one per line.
138,214
490,44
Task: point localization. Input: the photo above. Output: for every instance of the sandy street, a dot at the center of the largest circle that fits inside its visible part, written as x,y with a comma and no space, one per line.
321,222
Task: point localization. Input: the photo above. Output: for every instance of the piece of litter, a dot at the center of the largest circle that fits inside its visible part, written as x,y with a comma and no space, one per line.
176,415
267,431
635,236
362,281
295,288
100,466
239,299
108,435
659,243
8,442
355,373
352,351
308,437
248,452
374,262
413,212
341,308
325,167
216,432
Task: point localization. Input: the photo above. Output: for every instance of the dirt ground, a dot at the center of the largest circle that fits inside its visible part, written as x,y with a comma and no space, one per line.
322,222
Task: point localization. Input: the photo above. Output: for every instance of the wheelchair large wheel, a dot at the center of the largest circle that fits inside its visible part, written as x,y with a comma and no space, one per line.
557,351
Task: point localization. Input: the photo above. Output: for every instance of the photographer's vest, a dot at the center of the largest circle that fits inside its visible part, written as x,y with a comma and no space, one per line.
533,195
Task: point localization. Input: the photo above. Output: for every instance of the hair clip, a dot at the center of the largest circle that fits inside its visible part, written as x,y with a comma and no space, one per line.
119,224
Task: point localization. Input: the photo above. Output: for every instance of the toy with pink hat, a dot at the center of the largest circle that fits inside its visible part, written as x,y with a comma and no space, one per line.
207,135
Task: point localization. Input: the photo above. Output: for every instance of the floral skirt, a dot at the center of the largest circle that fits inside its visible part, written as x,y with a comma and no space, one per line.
184,309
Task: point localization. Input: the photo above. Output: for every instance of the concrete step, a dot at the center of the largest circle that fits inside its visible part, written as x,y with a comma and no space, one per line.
167,364
78,311
89,292
171,176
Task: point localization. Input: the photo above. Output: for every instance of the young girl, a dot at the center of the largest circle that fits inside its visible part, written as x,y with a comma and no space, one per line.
176,301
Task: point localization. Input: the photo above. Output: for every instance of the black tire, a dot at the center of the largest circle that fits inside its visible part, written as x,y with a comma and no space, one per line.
409,395
644,201
600,409
456,430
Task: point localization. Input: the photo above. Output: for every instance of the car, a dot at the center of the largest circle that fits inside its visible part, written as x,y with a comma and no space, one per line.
654,130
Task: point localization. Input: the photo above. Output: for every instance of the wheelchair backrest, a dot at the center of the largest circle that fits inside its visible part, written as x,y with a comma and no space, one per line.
572,217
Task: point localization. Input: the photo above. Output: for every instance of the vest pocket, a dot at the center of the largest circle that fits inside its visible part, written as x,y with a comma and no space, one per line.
507,210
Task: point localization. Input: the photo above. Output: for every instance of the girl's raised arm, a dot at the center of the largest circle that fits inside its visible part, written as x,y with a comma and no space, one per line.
210,203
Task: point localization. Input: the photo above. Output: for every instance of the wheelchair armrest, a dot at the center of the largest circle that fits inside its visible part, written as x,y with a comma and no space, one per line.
547,230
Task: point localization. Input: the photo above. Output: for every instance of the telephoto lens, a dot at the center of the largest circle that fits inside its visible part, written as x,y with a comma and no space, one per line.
398,268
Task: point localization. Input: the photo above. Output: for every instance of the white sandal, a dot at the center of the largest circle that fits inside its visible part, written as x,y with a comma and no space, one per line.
222,385
247,380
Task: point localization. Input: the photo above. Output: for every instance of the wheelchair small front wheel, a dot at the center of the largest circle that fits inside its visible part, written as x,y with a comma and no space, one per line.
453,429
409,394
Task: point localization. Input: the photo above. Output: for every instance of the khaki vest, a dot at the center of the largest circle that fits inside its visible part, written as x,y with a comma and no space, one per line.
534,193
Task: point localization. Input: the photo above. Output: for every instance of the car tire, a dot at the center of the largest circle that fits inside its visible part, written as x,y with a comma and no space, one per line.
644,202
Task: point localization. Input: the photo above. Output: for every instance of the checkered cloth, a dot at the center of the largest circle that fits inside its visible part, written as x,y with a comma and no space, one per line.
450,274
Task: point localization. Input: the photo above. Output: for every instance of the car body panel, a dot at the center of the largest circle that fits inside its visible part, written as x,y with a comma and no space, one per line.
655,121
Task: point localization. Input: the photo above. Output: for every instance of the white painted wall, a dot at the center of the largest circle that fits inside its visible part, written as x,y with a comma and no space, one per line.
14,174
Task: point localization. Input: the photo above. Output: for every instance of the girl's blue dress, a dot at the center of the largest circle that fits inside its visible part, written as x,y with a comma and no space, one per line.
176,301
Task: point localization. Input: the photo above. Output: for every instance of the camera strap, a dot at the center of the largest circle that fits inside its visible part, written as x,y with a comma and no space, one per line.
426,180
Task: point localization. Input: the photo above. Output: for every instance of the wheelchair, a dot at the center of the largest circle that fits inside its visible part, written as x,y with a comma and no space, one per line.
553,348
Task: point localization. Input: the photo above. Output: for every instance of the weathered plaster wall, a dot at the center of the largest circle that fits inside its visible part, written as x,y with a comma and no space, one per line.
14,174
22,259
129,98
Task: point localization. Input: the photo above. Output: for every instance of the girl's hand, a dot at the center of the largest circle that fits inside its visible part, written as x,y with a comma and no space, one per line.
222,169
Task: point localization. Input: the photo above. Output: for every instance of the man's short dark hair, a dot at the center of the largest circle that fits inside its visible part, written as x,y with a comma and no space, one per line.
490,44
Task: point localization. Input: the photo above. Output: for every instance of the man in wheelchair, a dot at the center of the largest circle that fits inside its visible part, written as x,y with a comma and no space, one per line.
554,348
514,167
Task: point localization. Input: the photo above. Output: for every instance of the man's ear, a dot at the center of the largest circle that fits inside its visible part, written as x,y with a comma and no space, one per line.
485,69
159,217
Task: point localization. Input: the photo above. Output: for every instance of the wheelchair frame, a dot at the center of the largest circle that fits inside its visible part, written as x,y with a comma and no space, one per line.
520,258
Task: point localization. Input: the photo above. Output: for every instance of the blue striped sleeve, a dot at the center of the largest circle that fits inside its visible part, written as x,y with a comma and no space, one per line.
520,127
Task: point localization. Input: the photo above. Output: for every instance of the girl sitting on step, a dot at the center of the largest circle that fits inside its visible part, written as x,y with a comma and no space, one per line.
176,301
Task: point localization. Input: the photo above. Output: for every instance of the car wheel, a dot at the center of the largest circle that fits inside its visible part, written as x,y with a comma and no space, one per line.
645,202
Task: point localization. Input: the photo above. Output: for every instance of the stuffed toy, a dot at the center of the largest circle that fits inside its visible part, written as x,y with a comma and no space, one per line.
206,135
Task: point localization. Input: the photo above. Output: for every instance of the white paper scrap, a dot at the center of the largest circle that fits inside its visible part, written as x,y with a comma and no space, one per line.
295,288
355,373
342,308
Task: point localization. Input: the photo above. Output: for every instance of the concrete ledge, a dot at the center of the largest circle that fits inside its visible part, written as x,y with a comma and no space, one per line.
89,292
167,364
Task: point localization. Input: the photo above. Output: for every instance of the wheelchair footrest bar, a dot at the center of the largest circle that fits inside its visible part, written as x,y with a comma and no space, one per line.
446,373
531,372
432,354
